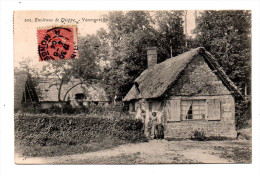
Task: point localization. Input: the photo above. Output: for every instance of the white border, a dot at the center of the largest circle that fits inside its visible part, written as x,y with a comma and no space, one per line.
8,167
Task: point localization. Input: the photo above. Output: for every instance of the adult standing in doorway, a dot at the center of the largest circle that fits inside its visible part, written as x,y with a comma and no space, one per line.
153,125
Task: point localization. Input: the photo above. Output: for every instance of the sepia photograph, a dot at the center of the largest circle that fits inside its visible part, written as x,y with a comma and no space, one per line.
132,87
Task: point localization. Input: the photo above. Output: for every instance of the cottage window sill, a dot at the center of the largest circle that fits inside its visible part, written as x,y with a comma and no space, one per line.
188,120
194,120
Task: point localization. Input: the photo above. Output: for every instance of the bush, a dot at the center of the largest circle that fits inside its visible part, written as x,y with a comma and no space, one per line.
243,114
201,136
109,111
198,136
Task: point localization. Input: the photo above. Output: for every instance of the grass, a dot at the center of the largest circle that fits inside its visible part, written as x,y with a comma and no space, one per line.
241,154
132,158
64,149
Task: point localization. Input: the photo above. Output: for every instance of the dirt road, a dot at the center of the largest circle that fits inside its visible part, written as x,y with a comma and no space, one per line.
152,152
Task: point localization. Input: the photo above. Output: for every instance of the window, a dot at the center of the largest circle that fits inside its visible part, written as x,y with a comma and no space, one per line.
132,107
79,96
193,109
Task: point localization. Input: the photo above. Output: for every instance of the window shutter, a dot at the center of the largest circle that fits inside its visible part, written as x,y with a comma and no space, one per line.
213,109
174,110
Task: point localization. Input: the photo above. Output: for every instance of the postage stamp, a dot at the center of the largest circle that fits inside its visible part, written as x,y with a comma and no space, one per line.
57,43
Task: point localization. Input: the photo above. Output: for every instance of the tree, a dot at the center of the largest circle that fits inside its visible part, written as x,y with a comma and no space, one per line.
171,38
227,35
26,66
120,23
86,67
60,72
129,34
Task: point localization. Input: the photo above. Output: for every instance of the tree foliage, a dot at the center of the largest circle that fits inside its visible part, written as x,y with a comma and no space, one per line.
26,67
227,35
130,34
171,38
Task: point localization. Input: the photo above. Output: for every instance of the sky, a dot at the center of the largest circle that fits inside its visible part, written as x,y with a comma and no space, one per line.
190,22
26,24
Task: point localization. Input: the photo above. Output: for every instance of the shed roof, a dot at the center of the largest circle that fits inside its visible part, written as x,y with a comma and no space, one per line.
153,82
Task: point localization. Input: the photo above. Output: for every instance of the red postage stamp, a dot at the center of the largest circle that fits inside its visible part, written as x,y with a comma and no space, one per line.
57,43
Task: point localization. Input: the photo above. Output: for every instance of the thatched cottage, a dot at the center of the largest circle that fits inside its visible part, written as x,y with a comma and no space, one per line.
188,92
76,92
44,94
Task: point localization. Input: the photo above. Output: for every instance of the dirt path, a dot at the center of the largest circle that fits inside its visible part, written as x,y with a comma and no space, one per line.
152,152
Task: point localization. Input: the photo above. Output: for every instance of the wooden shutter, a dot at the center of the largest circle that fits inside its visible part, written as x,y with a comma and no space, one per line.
213,109
174,110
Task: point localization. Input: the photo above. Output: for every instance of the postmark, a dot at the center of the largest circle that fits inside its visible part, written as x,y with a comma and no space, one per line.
57,43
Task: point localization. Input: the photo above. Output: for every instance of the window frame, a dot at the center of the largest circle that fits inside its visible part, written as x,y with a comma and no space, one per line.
193,100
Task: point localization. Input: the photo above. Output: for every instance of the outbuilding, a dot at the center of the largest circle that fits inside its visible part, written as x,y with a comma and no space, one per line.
76,92
44,93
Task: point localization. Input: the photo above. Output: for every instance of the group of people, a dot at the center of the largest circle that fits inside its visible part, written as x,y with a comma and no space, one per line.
155,128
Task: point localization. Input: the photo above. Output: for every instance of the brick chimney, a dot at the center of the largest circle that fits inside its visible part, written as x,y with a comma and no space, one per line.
151,56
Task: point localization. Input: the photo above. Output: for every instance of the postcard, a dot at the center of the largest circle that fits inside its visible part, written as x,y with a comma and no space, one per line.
132,87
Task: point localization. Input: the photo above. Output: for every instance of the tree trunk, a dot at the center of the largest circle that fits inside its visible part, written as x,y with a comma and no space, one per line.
59,94
186,33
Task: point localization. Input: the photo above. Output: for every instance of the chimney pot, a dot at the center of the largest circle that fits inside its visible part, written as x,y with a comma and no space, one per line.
151,56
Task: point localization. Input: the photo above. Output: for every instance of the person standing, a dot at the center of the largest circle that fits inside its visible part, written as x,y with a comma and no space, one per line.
160,129
154,124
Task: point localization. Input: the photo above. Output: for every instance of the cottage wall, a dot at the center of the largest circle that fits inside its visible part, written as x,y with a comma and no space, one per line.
199,82
225,126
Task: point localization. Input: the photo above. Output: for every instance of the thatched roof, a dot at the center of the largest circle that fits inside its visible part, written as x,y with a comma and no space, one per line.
47,90
19,88
153,82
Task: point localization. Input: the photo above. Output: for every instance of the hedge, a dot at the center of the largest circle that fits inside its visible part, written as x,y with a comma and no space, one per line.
47,130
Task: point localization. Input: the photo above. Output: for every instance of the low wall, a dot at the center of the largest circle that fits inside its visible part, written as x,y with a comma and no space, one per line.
185,129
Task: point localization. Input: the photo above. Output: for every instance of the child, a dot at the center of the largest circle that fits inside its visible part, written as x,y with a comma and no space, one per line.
149,126
160,129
